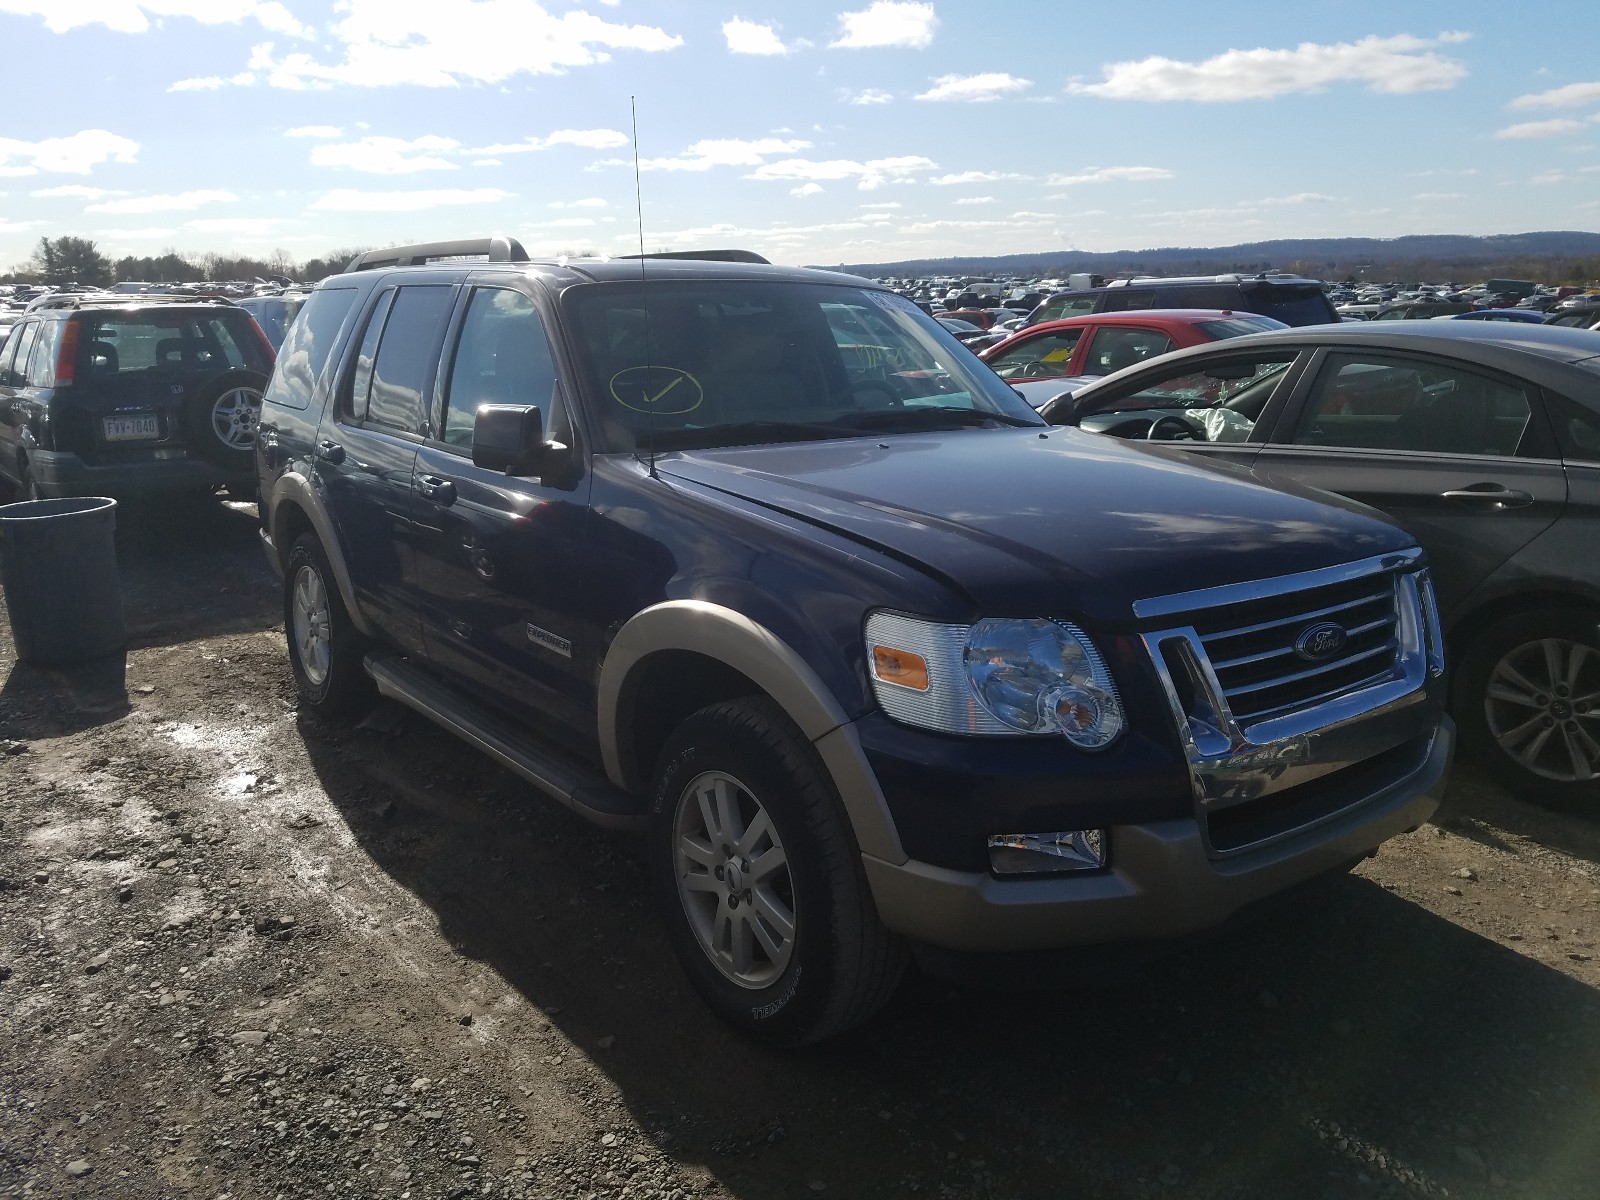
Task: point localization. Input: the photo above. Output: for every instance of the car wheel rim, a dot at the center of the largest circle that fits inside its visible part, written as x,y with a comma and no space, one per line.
1543,708
234,417
311,625
733,880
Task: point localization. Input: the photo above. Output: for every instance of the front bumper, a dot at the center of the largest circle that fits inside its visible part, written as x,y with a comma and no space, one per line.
1161,881
63,473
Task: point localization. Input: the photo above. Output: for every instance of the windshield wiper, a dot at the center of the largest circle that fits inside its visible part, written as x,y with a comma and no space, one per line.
918,416
740,433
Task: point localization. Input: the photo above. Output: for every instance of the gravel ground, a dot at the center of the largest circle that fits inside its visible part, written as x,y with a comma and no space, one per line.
245,954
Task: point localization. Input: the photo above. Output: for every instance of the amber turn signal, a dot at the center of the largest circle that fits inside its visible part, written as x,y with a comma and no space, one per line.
900,667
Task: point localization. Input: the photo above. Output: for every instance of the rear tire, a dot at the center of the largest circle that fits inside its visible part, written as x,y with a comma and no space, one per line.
760,879
221,419
325,648
1527,699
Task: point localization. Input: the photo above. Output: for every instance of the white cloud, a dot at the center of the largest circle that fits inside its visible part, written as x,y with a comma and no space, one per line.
752,37
807,189
887,23
210,83
133,16
351,200
1111,175
446,43
76,154
1573,95
723,152
175,202
1394,65
248,227
388,155
868,96
314,131
975,177
148,233
72,191
591,139
976,200
1435,196
885,204
589,202
975,89
1025,215
1298,198
873,173
18,226
1541,129
1545,178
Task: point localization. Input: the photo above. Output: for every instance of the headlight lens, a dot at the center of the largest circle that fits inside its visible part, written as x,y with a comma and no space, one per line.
1043,677
995,677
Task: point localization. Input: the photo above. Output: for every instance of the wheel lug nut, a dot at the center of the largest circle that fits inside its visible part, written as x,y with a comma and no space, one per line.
1571,727
1541,698
1549,722
1561,690
720,873
733,901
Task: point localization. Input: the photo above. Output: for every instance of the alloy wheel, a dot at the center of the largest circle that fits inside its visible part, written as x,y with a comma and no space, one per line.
1543,708
234,417
312,625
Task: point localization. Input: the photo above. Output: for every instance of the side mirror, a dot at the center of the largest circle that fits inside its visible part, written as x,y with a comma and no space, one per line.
510,438
1060,410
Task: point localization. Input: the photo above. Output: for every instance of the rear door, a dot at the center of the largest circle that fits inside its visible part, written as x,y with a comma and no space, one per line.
501,572
1459,456
13,396
366,451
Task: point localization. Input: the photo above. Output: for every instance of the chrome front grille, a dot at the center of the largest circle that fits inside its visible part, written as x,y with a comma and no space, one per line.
1263,673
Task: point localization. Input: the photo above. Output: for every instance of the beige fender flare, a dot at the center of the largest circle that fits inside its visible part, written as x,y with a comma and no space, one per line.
293,488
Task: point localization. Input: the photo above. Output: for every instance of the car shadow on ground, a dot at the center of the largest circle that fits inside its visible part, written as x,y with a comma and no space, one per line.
1476,809
1343,1043
192,568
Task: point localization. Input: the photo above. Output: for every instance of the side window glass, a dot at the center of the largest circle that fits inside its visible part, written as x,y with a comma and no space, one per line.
17,369
1042,357
1113,349
503,357
1399,404
41,365
8,355
1577,429
407,353
1126,299
307,347
354,407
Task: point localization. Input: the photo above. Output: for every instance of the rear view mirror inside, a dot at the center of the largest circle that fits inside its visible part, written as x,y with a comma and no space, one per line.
1232,370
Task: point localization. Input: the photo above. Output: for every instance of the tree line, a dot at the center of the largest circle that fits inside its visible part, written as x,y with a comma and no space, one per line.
74,260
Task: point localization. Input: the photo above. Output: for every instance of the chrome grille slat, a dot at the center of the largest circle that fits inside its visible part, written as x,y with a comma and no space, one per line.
1267,714
1271,654
1250,689
1314,615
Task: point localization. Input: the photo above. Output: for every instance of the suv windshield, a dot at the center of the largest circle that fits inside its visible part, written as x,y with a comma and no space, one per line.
723,362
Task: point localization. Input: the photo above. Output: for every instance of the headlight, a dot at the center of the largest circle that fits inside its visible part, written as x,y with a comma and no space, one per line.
995,677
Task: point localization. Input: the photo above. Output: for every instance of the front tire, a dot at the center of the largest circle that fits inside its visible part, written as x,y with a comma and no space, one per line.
325,648
1527,697
761,881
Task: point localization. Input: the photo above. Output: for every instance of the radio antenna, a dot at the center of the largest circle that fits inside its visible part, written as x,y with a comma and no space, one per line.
644,296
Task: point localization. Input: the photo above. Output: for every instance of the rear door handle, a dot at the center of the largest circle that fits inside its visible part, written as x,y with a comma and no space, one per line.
1502,497
440,491
331,452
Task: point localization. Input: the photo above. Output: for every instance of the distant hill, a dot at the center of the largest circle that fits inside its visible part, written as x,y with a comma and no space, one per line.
1557,255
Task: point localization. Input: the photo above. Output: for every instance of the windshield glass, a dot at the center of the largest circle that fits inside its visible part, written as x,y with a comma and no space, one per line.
1237,326
728,362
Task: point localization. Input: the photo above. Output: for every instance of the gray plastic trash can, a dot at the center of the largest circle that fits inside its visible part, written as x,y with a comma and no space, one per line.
58,566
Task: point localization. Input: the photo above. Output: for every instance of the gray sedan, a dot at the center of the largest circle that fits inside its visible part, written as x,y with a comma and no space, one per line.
1482,440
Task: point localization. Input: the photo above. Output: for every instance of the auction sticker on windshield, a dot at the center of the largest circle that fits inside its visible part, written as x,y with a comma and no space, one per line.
669,391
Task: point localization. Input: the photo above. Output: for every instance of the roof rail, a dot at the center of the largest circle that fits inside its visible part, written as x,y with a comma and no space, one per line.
498,249
740,256
96,299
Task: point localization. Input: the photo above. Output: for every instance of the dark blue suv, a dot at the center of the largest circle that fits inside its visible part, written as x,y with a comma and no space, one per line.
762,563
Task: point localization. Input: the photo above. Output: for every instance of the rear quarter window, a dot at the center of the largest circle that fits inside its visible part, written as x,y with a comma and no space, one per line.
308,345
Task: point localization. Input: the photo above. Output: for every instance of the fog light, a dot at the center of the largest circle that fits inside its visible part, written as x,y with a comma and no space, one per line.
1044,853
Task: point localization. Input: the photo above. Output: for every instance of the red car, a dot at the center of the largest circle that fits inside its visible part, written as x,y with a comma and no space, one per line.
1101,343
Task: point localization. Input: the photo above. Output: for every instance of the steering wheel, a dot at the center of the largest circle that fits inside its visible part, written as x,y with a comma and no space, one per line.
860,386
1185,430
1038,369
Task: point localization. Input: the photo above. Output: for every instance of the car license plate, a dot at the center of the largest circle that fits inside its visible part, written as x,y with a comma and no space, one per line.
131,429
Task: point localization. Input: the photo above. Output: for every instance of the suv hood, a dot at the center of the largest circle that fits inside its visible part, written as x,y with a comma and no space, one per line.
1062,524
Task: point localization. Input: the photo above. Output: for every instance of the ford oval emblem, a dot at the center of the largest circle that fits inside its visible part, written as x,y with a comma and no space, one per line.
1320,641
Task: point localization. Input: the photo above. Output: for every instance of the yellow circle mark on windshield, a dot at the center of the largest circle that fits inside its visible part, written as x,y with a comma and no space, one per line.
668,391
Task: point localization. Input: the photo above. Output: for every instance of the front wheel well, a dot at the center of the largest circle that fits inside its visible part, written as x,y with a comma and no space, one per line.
1466,629
289,521
663,691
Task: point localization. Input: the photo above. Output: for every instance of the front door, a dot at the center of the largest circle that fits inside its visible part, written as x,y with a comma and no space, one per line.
1454,454
500,559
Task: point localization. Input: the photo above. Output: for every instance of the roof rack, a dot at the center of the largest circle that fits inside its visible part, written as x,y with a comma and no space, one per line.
498,249
108,299
736,256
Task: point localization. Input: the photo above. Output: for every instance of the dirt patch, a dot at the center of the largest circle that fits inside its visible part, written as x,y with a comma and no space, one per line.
246,954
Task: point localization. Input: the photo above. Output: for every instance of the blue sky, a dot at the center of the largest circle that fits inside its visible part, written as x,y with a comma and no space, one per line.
850,131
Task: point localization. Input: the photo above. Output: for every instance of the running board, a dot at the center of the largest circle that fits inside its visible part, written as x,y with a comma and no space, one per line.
581,788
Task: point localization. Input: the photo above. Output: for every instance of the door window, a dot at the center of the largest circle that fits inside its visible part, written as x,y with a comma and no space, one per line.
308,345
407,352
1113,349
16,368
1377,403
503,357
1042,357
354,406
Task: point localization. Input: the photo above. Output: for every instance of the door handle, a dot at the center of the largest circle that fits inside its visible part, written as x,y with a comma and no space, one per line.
331,452
1500,497
440,491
